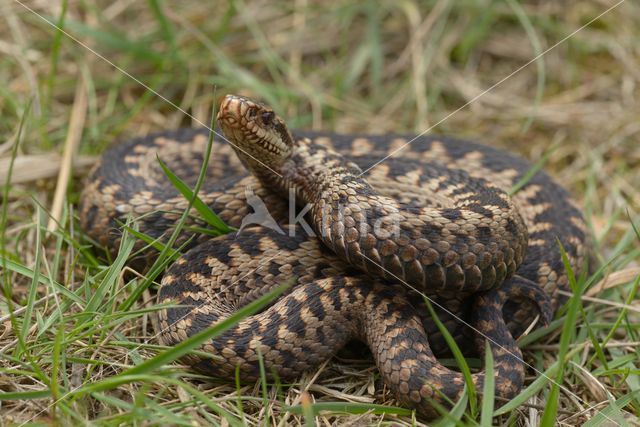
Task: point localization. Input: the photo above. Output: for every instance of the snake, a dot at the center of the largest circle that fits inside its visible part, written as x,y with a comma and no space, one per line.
365,244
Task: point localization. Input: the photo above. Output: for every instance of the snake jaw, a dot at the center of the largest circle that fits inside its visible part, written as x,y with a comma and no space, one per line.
255,131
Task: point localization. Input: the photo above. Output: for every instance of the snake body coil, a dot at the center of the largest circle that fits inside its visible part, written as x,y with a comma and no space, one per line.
434,218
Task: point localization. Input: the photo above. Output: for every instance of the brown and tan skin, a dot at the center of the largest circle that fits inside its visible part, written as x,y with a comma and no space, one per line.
435,217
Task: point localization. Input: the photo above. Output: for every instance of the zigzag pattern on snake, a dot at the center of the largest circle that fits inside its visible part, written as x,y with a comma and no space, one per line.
434,217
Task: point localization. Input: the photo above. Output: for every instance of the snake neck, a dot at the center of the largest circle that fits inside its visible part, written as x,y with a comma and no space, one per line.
473,246
313,172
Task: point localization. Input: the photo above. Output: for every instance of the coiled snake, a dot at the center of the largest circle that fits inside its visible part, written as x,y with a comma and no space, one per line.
435,218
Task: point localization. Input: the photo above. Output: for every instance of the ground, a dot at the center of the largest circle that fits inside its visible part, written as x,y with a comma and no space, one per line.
544,79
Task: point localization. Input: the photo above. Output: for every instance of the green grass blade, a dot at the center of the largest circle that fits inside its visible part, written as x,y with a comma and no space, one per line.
110,280
307,410
526,394
33,288
612,410
597,347
113,401
525,21
373,40
474,35
154,243
239,392
57,362
457,354
263,387
55,50
633,226
25,395
6,289
10,265
207,214
165,26
163,415
349,408
534,169
537,385
551,409
488,389
623,313
451,417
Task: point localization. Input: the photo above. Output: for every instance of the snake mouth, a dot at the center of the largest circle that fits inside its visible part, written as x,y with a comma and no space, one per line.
255,130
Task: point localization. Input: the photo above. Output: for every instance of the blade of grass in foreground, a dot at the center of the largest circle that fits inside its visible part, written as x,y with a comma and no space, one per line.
150,241
623,312
457,354
263,386
307,410
551,410
109,282
488,390
31,296
533,388
6,289
526,394
348,408
25,395
10,265
207,214
451,417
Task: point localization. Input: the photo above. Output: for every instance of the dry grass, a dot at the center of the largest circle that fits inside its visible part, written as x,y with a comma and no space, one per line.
340,66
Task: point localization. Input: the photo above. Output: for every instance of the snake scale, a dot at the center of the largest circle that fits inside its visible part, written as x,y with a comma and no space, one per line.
435,218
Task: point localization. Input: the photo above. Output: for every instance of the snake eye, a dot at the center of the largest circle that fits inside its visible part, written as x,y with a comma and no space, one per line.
267,117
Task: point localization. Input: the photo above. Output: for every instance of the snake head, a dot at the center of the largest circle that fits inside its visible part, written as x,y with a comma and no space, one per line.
257,134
